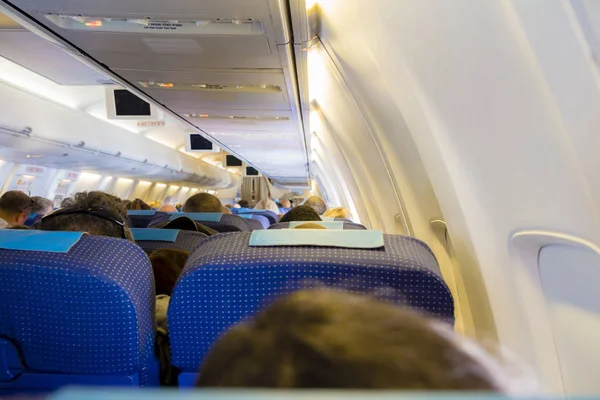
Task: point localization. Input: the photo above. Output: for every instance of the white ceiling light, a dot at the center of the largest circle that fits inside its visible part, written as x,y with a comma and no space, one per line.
207,87
212,27
237,117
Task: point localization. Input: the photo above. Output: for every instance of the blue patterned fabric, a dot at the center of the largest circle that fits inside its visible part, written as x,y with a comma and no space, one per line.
186,241
349,239
225,280
227,223
86,312
270,215
347,225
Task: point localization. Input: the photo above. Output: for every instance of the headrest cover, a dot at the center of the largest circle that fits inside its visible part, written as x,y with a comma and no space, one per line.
326,224
327,218
314,237
208,217
47,241
141,212
246,216
163,235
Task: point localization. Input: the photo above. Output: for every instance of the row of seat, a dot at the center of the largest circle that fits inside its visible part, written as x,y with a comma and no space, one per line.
76,308
243,222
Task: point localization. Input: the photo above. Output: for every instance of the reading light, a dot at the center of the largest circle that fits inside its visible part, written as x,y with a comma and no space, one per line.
28,176
93,24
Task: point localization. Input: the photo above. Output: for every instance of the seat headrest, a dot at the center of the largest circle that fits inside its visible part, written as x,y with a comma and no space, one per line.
141,212
163,235
46,241
209,217
350,239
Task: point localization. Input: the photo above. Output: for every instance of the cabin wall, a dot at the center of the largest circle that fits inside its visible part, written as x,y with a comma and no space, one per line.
501,102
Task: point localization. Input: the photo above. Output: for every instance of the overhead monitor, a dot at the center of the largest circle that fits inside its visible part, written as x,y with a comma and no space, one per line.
198,143
231,161
250,171
122,104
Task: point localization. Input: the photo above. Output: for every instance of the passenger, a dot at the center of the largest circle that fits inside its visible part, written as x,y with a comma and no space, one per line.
15,207
320,339
167,265
236,206
267,204
169,201
138,204
285,203
226,210
338,212
96,213
244,204
167,208
309,225
203,202
317,204
301,213
41,206
66,202
126,203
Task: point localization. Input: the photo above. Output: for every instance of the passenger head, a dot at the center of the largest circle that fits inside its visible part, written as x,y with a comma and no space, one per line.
236,206
267,204
167,265
15,207
317,204
203,202
338,212
97,213
169,201
138,204
226,210
301,213
168,208
41,205
285,203
66,202
244,203
331,340
309,225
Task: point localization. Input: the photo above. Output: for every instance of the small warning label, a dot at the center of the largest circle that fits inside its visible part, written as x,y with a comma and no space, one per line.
163,26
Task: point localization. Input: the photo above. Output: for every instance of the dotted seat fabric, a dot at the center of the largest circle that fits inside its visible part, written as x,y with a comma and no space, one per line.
347,225
186,240
225,281
228,223
88,311
254,224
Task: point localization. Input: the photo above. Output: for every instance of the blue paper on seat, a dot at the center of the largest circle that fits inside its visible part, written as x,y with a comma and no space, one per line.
208,217
326,224
48,241
316,237
163,235
246,216
141,212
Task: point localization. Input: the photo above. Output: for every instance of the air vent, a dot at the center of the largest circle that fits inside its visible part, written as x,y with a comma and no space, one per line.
208,27
207,87
236,117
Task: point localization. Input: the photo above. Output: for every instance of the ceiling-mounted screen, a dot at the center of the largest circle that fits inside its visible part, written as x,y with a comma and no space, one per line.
231,161
251,171
122,104
197,142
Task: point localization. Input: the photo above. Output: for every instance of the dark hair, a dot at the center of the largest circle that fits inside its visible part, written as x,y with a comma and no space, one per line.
15,202
137,204
317,204
301,213
244,203
167,265
40,205
203,202
86,222
325,339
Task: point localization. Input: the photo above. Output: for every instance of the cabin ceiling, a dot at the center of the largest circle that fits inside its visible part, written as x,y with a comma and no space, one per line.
236,85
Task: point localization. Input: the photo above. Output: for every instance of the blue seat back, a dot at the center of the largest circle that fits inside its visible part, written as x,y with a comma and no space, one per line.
33,218
226,222
140,218
270,215
347,225
225,280
153,239
256,221
84,316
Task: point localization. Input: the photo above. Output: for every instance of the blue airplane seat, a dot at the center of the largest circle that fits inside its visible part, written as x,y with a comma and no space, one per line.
226,280
217,221
153,239
256,221
140,218
75,309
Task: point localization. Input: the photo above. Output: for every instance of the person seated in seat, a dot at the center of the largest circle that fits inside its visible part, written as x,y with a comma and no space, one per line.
267,204
226,210
338,212
244,203
15,208
168,205
285,203
41,206
301,213
96,213
203,202
321,339
317,204
167,265
138,204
